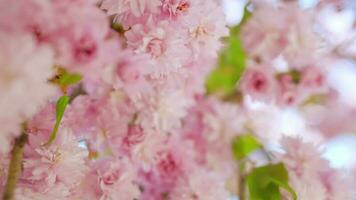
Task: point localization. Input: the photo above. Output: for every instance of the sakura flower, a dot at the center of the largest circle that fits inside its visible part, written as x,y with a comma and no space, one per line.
262,36
59,191
41,124
164,110
174,8
201,185
338,184
304,162
130,73
174,159
304,45
224,122
301,160
143,152
170,160
289,97
204,29
308,169
161,42
25,68
259,83
102,123
63,162
313,79
117,179
127,7
135,135
307,187
32,17
76,30
79,38
288,91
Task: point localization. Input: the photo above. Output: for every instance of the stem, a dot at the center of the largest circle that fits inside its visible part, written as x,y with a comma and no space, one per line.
242,188
267,154
15,166
242,181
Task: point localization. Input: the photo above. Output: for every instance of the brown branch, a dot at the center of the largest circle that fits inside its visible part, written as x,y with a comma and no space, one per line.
15,166
242,188
242,181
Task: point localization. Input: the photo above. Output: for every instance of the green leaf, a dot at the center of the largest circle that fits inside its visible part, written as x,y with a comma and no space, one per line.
243,145
60,108
67,79
264,183
246,16
231,64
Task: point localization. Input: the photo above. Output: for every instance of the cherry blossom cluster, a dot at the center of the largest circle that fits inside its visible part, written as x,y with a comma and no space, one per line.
292,52
288,59
120,137
139,124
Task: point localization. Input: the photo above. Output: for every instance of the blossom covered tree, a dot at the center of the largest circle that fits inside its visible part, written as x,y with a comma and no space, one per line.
151,100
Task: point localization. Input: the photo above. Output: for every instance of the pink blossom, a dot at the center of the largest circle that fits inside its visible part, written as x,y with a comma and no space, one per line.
259,83
76,30
204,25
59,191
338,184
262,36
143,126
128,7
201,185
307,186
130,74
117,179
63,163
288,31
175,8
164,110
313,79
143,152
25,68
80,33
224,122
302,157
102,122
308,169
161,42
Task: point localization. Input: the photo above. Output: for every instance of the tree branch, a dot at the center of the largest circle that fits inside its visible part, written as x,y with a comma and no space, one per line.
242,181
15,166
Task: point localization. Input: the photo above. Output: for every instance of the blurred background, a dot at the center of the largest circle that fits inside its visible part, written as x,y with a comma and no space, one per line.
340,150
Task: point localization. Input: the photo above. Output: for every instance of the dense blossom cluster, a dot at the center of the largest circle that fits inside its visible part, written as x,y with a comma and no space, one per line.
142,126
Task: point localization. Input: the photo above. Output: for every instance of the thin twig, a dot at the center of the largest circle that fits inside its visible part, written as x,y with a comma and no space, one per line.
242,188
15,166
242,181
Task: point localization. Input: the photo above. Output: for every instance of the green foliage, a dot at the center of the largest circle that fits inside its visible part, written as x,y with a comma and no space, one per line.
247,15
231,64
60,108
264,183
243,145
118,28
230,67
67,79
